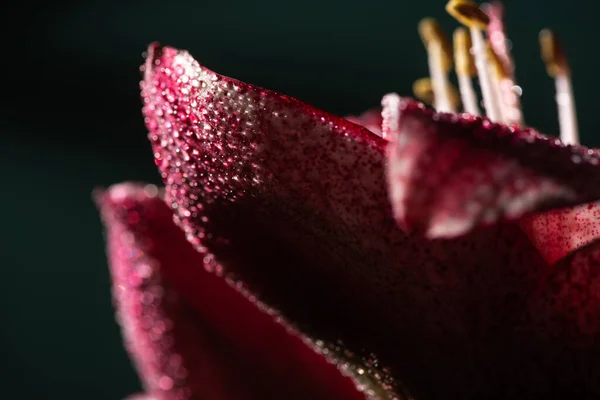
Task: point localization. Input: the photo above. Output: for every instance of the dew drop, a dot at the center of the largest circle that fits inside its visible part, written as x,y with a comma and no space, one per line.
518,90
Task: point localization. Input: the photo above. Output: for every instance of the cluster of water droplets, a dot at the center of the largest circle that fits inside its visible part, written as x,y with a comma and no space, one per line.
141,298
208,135
199,130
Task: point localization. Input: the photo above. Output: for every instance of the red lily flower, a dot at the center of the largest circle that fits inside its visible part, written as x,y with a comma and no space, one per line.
290,277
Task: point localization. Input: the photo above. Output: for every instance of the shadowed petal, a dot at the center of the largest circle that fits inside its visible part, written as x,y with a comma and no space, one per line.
573,294
565,320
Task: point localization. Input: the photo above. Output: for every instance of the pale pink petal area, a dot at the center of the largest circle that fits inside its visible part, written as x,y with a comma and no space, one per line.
558,233
191,334
141,396
450,173
370,119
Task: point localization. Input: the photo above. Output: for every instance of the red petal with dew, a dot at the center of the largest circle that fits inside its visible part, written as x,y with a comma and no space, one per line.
293,202
449,173
190,333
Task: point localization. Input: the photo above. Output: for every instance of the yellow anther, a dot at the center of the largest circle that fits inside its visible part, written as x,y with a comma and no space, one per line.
431,32
463,59
468,13
423,90
496,64
553,54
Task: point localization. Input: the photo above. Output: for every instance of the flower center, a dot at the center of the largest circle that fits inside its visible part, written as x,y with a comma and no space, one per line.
482,53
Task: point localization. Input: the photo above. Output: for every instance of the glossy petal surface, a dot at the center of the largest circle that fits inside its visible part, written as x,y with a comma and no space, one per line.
191,334
450,173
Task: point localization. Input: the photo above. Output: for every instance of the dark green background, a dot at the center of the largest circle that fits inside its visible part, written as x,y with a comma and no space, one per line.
70,121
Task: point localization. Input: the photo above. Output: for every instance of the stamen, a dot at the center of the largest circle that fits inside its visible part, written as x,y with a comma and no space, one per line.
440,62
469,14
498,74
423,90
496,33
558,68
465,70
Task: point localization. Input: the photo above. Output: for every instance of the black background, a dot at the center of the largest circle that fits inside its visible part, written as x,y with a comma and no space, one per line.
70,121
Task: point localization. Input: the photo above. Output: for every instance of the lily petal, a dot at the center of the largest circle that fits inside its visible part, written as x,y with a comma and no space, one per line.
564,319
450,173
558,233
142,396
370,119
191,334
573,291
292,203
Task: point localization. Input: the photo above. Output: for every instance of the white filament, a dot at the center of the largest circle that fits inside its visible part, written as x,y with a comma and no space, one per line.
467,94
439,81
490,101
513,113
567,116
498,98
